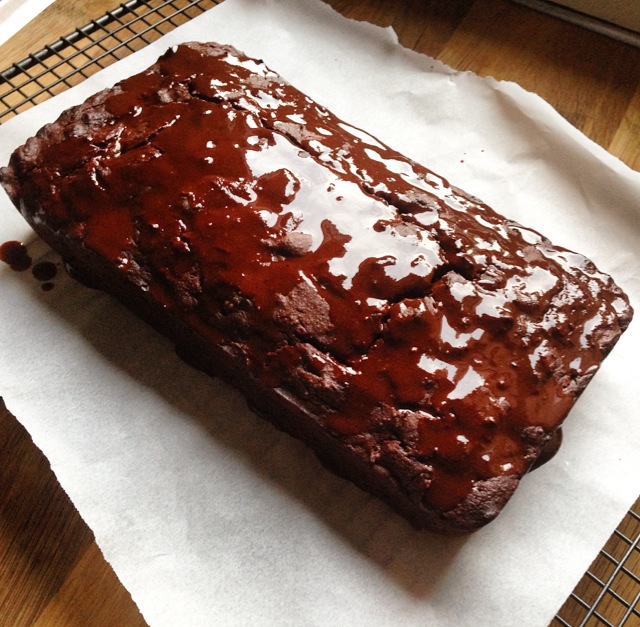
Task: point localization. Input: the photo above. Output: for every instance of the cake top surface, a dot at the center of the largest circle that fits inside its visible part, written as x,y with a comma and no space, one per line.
403,311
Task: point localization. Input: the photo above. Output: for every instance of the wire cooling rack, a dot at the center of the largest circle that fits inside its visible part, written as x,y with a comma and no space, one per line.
609,592
71,59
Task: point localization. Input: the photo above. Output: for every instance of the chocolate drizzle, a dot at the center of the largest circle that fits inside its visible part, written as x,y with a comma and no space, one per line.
413,321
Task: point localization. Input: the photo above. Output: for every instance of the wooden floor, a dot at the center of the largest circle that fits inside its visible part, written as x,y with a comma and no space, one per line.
51,571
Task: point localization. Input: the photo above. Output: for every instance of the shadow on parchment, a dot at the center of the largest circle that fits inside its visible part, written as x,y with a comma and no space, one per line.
415,561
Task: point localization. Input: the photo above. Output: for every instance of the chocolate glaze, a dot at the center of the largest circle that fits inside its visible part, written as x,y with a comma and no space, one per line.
15,255
44,271
423,332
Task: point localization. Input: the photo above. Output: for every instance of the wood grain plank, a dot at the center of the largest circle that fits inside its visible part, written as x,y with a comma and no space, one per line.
423,25
593,81
589,79
57,20
82,601
626,141
46,549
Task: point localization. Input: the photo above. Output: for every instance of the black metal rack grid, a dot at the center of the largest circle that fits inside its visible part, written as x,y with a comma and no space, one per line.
609,592
88,49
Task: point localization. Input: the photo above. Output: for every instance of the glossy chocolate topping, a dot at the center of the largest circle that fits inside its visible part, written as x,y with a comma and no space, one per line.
15,255
412,320
44,271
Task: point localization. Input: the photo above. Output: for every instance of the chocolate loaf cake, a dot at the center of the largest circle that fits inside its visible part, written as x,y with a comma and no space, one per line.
424,346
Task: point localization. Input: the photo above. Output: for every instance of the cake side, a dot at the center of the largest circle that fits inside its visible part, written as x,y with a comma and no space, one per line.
424,346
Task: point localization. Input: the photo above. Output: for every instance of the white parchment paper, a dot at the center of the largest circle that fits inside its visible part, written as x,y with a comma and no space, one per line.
208,515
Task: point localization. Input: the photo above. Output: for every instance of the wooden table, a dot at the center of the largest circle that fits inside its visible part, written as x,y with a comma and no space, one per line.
51,571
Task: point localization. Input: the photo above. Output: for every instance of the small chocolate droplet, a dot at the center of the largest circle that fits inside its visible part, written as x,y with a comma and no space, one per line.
44,271
15,255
